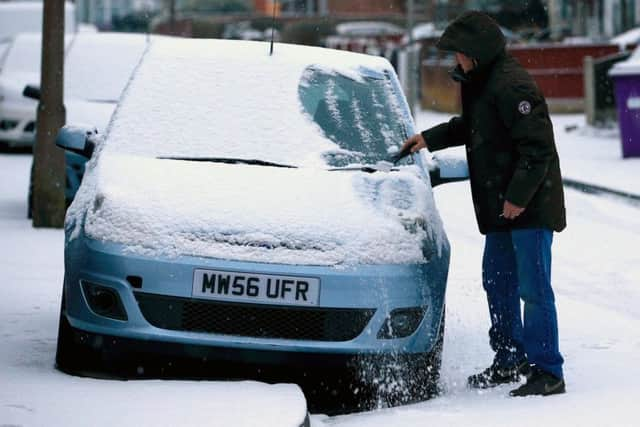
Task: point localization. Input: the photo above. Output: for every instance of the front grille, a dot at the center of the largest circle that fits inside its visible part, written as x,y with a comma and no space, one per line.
253,320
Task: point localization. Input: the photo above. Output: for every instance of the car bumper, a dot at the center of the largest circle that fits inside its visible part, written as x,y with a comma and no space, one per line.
380,288
22,129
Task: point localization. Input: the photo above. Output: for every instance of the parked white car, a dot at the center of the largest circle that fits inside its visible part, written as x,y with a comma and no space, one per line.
92,88
26,16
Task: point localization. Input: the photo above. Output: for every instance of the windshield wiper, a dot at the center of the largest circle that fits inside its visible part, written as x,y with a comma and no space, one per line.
381,166
230,161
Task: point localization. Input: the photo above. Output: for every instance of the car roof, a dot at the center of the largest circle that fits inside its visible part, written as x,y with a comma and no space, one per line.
252,51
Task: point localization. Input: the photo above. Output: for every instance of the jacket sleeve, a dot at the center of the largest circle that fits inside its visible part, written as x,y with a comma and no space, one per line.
449,134
524,113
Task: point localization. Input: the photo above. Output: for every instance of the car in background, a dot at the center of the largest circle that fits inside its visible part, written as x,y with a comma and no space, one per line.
26,16
92,89
92,84
20,67
240,212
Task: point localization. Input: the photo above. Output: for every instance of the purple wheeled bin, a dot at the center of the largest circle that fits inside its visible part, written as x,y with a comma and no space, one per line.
626,77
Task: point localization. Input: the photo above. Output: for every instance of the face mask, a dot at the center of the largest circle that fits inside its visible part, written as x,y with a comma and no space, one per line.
458,75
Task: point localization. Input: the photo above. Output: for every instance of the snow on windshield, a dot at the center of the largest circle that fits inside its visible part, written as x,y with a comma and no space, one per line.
213,98
98,66
364,115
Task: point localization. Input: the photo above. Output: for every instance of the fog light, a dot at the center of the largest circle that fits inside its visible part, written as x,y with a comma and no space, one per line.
104,301
401,323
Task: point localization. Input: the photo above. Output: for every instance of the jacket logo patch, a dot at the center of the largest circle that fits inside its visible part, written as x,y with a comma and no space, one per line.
524,107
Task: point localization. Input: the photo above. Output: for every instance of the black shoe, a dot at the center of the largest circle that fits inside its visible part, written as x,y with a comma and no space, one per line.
494,375
540,383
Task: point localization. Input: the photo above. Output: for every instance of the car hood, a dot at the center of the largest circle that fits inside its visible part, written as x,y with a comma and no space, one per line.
259,214
12,85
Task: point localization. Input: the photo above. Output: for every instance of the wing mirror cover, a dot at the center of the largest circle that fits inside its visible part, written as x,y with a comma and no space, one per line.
32,92
77,139
447,167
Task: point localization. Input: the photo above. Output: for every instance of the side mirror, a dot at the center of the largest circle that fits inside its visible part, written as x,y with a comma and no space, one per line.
447,167
32,92
79,140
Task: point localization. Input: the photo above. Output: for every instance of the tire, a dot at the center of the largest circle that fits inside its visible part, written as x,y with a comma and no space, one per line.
402,379
73,354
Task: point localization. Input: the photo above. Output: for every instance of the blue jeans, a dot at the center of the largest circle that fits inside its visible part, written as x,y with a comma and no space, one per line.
517,265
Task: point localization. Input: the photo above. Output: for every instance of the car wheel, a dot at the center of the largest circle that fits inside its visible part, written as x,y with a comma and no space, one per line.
426,370
73,354
401,378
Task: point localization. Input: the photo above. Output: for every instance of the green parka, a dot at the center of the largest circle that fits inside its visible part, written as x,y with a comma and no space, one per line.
506,129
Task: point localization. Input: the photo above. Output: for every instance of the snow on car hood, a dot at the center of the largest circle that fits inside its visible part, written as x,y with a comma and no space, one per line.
254,213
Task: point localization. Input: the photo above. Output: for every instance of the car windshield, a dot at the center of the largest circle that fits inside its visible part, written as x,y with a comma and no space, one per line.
360,112
187,100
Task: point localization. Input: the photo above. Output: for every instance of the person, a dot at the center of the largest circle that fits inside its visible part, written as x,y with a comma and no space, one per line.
517,193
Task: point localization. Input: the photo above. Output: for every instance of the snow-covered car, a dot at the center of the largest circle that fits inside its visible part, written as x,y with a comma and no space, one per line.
92,88
26,16
92,85
239,210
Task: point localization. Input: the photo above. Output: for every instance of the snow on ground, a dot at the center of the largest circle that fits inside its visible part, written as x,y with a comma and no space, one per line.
587,154
596,268
595,275
33,393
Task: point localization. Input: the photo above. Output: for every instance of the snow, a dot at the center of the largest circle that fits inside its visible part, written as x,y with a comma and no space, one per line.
595,278
26,16
218,71
284,215
89,77
629,67
24,54
587,154
368,28
34,393
86,74
629,37
425,30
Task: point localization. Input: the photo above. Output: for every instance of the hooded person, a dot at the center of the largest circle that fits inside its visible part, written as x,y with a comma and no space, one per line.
517,193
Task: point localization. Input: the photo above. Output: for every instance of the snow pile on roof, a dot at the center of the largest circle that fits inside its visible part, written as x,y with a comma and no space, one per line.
627,38
628,67
217,98
261,214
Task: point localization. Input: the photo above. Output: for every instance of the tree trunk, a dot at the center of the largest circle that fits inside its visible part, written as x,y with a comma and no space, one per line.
49,165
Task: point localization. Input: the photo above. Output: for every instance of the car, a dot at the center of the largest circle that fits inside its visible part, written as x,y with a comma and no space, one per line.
92,90
92,85
26,16
241,210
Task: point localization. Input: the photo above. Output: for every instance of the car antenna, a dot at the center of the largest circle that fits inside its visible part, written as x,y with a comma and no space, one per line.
273,26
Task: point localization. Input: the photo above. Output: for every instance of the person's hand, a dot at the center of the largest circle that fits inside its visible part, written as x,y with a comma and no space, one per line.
511,211
414,144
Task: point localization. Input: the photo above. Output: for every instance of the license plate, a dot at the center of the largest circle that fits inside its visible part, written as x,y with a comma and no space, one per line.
256,288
